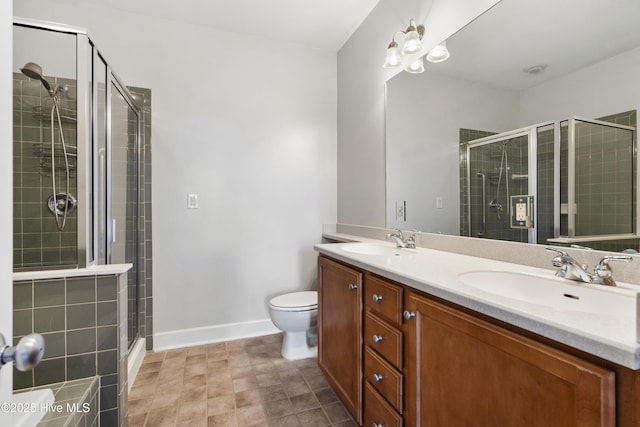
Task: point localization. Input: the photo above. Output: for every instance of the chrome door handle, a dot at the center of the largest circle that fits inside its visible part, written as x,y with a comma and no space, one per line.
26,355
377,298
377,338
408,315
353,287
377,377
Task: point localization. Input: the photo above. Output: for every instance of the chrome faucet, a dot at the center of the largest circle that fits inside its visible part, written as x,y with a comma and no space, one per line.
569,268
603,275
401,241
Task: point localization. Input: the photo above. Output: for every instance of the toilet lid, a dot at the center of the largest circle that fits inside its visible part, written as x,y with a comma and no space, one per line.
296,300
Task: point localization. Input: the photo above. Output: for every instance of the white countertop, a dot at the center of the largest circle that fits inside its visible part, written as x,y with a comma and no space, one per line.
611,337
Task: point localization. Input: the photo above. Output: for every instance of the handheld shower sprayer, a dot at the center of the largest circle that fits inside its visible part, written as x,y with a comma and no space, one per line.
34,71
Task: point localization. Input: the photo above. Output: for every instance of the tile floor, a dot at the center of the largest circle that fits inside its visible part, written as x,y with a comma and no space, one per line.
236,383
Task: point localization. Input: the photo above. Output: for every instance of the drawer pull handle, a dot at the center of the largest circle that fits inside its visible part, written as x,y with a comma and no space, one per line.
353,287
377,298
377,377
377,338
377,425
408,315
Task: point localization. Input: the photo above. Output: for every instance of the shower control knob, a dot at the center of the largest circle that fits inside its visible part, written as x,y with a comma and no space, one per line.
26,355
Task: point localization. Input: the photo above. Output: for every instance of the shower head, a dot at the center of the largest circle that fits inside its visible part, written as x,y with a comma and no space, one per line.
34,71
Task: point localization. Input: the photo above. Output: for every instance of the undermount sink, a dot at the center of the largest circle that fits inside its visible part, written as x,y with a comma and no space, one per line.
375,249
552,292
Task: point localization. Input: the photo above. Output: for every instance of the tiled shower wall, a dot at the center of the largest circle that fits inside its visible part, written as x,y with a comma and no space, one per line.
37,242
83,323
145,273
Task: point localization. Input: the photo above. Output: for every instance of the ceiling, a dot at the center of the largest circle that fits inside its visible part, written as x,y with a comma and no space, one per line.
324,24
517,34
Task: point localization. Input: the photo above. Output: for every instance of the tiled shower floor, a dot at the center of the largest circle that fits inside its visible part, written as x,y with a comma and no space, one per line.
236,383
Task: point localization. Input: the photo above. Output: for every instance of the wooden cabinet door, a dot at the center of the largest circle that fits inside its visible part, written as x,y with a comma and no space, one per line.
340,331
462,371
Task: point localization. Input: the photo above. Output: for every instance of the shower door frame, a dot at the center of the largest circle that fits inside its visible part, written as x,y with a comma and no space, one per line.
111,81
531,133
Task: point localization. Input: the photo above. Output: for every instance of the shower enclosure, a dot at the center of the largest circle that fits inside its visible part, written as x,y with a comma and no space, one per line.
561,182
77,158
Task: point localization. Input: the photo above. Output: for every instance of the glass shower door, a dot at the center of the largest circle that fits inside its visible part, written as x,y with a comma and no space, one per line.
124,209
499,168
601,185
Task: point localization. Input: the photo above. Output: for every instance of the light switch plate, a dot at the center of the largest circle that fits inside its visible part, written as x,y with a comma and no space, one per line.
192,201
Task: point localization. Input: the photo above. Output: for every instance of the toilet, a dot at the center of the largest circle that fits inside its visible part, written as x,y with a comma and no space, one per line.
296,315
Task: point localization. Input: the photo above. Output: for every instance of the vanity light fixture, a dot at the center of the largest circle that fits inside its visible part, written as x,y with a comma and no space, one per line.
412,43
439,53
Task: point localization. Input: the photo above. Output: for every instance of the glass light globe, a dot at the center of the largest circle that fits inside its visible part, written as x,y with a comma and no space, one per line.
416,67
412,43
394,58
439,53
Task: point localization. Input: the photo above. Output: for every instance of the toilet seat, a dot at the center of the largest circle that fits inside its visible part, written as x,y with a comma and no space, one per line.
296,301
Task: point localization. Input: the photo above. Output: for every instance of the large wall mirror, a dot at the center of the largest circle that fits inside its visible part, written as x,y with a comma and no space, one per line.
527,132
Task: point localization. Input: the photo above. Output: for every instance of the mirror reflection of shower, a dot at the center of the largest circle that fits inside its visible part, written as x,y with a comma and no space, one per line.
60,203
498,169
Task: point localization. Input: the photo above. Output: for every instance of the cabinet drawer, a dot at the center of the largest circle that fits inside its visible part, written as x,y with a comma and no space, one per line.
384,339
377,411
384,378
384,299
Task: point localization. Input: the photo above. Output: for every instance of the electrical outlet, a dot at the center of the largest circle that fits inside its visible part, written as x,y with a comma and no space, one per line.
401,211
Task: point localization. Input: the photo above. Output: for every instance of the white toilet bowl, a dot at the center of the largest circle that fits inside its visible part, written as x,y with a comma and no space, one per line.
296,314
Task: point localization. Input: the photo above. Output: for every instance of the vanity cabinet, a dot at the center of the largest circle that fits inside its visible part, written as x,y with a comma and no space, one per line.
444,365
340,332
464,371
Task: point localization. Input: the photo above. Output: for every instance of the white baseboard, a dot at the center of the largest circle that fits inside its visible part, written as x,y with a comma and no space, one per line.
212,334
135,358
